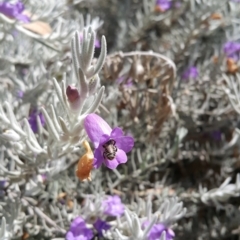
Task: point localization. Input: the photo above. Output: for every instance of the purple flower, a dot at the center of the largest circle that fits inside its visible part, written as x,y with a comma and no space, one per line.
164,5
2,183
232,50
126,82
14,10
191,72
20,94
236,1
101,225
73,97
216,135
2,186
79,231
157,230
43,177
110,145
97,43
113,206
32,119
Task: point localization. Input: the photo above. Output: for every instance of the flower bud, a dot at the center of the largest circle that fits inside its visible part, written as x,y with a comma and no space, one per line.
73,97
72,94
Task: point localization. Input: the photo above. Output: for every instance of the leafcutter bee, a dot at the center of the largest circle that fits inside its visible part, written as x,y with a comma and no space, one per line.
110,149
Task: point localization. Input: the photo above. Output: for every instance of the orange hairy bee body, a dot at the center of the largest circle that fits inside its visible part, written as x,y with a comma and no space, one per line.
232,66
85,164
216,16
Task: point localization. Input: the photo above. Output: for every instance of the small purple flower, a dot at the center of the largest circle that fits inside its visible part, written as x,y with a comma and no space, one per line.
32,119
232,50
73,97
110,145
101,225
2,183
216,135
236,1
126,82
113,206
191,72
2,186
72,94
164,5
20,94
79,231
157,230
14,10
97,43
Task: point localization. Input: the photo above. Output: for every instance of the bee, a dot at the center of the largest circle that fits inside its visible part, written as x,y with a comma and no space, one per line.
232,67
85,164
110,149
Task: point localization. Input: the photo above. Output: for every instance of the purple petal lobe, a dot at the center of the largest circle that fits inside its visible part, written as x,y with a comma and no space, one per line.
116,132
32,119
23,18
113,206
104,139
14,10
232,50
98,158
70,236
170,233
101,225
112,164
191,72
164,4
125,143
157,230
121,156
77,222
97,43
79,231
95,127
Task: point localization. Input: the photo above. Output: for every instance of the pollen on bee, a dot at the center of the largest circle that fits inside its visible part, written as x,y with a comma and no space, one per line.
85,163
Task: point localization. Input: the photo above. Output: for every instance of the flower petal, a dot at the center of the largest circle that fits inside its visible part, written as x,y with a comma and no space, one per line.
116,133
104,139
78,222
95,127
70,236
112,164
23,18
121,156
101,225
98,158
125,143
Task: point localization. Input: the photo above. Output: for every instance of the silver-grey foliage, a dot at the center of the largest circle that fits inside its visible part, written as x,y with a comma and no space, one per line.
184,166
